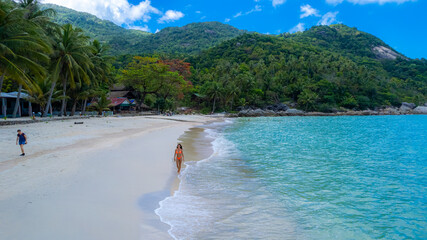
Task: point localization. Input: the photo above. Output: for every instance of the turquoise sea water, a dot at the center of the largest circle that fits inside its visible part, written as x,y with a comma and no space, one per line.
361,177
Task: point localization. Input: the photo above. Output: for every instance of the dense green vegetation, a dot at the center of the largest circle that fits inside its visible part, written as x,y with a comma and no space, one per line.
120,39
189,39
60,63
209,66
38,55
318,75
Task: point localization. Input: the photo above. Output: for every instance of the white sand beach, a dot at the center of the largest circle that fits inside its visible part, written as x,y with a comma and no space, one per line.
98,180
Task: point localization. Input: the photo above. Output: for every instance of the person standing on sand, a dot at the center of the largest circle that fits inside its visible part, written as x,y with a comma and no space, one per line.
21,138
178,156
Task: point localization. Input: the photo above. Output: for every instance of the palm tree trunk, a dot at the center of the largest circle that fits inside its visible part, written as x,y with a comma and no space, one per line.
15,110
213,108
84,107
1,80
49,100
64,107
73,110
51,109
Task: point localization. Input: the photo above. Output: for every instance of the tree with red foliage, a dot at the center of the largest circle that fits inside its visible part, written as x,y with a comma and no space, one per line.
178,65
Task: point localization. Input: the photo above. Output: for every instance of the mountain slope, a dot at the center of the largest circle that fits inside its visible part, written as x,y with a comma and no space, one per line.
346,40
120,39
321,74
189,39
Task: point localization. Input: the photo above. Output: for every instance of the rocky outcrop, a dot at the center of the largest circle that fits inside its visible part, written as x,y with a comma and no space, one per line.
390,111
277,107
408,105
420,110
382,52
292,111
271,110
406,108
256,113
284,110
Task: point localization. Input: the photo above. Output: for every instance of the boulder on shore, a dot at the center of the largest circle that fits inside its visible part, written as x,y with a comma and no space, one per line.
277,107
406,107
390,111
292,111
420,110
409,105
251,113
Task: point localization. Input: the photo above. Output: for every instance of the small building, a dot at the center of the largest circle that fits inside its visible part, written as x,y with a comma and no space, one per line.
8,101
120,92
119,104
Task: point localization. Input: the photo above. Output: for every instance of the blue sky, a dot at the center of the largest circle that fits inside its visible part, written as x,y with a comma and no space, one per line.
400,23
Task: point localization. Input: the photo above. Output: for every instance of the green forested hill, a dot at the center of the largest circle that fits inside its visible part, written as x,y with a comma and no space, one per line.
345,40
189,39
321,75
119,39
323,68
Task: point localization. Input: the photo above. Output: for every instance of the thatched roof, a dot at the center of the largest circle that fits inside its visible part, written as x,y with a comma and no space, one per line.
118,87
117,94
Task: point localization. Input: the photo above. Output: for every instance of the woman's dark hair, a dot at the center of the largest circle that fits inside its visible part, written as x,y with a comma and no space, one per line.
179,144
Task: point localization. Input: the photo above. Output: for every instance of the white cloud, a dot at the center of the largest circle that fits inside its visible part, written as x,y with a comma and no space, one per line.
278,2
300,27
198,12
171,16
237,14
257,8
157,30
141,28
227,20
328,18
308,10
117,11
335,2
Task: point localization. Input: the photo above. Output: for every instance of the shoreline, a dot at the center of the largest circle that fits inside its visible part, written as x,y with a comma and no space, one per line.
91,187
197,145
299,113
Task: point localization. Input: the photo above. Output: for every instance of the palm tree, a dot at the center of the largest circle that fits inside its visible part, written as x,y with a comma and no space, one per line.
40,93
214,92
101,68
233,91
84,95
40,18
36,15
70,61
21,46
102,104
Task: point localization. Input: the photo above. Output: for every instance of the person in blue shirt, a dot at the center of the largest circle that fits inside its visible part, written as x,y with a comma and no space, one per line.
22,140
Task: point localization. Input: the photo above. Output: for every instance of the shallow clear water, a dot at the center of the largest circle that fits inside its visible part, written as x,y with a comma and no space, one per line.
355,177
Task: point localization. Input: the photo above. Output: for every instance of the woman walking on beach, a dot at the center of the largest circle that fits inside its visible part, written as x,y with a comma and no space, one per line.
179,156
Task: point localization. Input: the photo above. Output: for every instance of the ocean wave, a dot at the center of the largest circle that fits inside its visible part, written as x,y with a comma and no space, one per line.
185,212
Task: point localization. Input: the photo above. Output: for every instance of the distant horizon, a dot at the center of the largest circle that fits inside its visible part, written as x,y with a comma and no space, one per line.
396,22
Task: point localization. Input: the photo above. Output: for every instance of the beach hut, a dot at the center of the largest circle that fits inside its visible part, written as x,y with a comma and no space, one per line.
8,101
119,104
